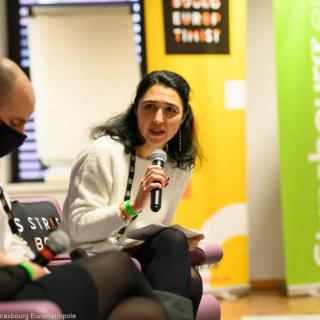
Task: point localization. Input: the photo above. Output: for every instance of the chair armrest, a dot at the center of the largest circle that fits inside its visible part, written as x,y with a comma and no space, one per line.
206,253
59,260
42,307
209,308
62,256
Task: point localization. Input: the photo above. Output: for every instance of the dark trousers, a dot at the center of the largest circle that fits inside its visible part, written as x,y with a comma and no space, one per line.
165,263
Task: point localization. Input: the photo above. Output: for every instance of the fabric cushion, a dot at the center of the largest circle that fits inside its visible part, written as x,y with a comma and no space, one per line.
35,221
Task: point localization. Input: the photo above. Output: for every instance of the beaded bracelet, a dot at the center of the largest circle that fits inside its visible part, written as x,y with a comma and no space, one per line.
26,266
130,211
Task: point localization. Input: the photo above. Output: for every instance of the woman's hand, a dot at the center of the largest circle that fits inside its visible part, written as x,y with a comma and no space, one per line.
193,242
154,178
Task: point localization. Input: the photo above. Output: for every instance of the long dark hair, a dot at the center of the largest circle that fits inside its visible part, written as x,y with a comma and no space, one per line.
124,127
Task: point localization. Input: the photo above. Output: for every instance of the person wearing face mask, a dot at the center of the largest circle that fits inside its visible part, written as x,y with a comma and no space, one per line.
16,105
106,286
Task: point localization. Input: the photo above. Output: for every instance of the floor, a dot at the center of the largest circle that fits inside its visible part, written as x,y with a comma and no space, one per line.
268,303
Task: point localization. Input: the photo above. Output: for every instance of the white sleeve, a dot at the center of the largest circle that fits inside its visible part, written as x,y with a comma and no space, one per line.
88,213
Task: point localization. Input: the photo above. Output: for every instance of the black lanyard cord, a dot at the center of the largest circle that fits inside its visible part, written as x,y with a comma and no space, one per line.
129,186
8,211
130,176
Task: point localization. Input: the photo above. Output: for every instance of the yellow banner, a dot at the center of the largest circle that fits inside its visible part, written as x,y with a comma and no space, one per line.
215,200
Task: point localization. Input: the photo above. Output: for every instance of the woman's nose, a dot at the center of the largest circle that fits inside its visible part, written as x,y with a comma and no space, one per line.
158,117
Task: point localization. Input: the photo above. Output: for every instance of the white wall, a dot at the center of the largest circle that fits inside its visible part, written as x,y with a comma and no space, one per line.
265,232
3,29
4,163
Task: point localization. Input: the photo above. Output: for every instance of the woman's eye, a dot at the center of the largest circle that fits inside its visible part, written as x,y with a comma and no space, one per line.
149,106
172,110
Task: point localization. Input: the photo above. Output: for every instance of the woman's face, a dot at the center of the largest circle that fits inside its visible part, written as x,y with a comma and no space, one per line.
160,114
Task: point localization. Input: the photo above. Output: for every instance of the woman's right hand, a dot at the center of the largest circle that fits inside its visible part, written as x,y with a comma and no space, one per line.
154,178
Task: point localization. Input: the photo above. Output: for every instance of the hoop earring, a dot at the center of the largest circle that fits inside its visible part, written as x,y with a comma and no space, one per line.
180,140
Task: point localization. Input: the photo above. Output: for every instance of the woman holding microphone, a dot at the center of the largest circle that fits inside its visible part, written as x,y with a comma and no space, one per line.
113,177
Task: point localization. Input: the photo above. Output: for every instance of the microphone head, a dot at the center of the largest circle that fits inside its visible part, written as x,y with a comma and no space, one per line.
158,155
58,241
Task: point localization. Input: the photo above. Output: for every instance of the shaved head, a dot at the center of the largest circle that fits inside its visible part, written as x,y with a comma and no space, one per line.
8,76
16,95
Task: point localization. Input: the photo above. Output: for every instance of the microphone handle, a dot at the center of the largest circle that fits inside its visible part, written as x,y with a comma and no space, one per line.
43,257
40,260
156,196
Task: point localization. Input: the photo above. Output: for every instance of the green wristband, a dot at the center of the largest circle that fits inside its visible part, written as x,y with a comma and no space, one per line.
130,211
26,266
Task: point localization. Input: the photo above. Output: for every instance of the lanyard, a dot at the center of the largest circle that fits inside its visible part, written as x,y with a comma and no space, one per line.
129,186
5,204
130,176
8,211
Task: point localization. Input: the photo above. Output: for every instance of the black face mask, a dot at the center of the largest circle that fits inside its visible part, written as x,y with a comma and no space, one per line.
10,139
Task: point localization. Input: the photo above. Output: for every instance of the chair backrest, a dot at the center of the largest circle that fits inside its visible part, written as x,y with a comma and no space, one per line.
35,309
35,217
38,198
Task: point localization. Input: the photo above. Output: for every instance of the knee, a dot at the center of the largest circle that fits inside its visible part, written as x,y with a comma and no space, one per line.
116,258
171,239
121,260
137,308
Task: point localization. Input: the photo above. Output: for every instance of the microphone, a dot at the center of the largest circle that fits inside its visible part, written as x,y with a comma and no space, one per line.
58,241
158,157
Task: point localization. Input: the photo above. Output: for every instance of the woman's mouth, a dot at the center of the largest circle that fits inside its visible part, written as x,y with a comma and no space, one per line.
156,132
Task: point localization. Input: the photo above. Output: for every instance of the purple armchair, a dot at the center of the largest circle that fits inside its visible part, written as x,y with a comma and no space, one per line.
209,308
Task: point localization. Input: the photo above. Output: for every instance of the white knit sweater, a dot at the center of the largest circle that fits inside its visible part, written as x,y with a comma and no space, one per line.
98,183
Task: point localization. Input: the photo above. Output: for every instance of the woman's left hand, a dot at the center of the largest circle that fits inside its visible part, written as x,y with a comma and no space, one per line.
193,242
155,177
